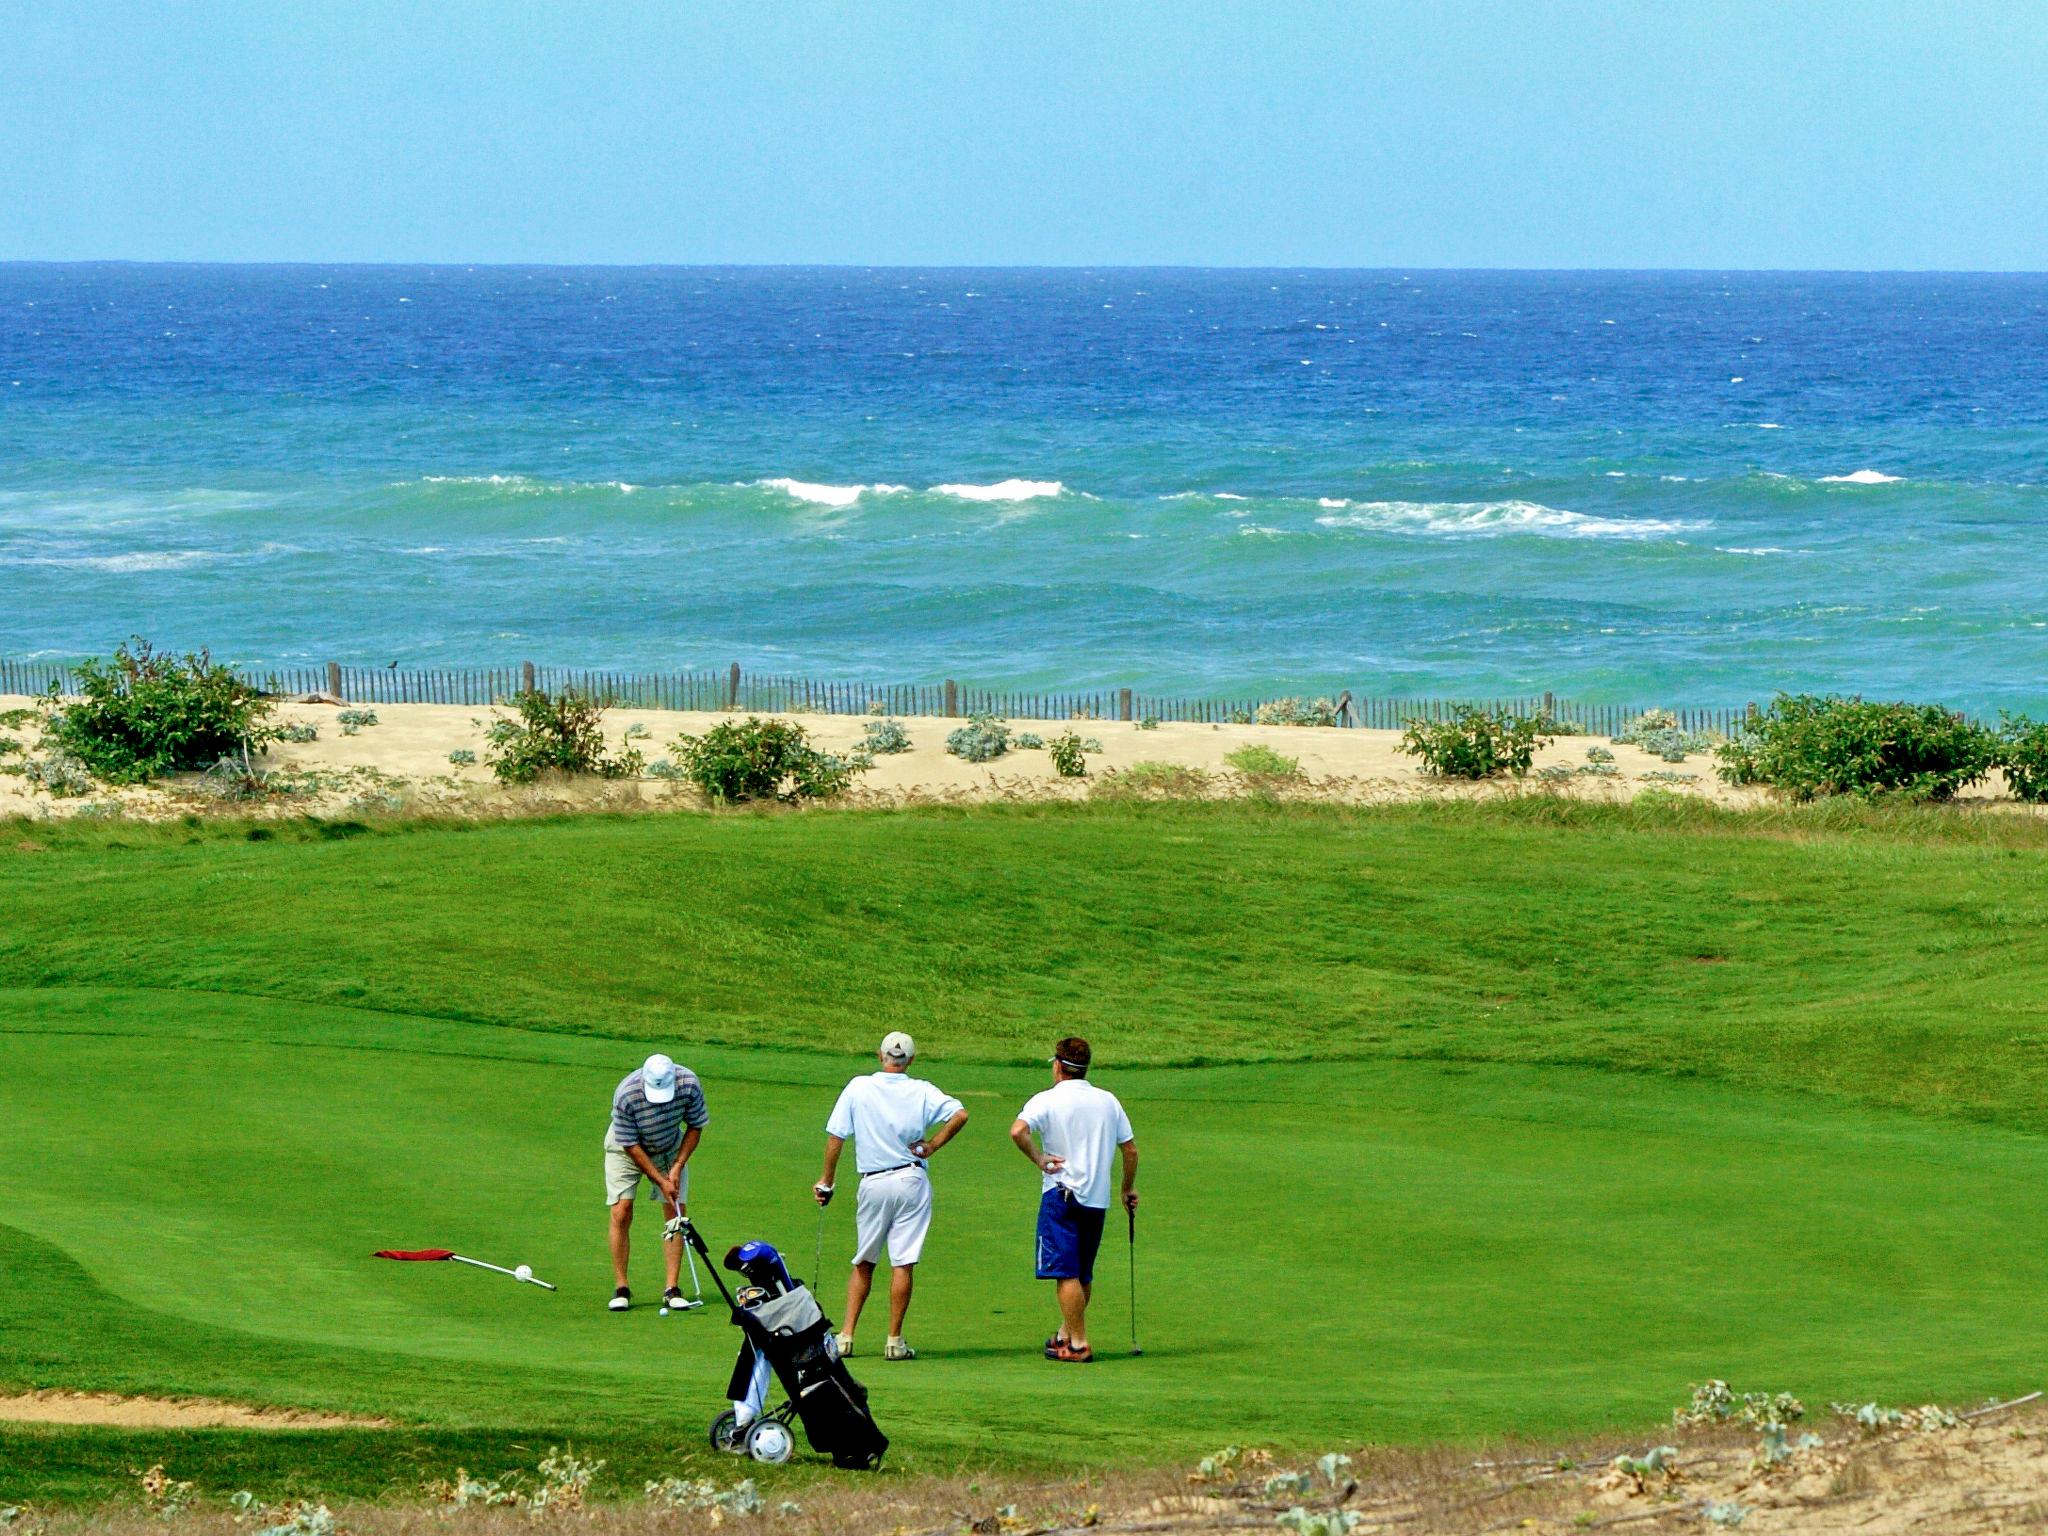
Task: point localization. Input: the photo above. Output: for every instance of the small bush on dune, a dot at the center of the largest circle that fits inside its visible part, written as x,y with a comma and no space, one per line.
554,733
1167,781
1262,762
147,713
1028,741
1296,712
1810,745
1475,743
2023,754
756,759
883,737
1069,755
983,739
1657,731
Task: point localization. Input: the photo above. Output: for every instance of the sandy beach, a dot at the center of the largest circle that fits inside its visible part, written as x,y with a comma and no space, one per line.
402,764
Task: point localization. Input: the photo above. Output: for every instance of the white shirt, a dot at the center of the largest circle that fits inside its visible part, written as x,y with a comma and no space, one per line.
1080,1122
883,1113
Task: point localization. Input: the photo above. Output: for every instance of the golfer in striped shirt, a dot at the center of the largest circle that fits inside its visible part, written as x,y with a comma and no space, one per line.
658,1117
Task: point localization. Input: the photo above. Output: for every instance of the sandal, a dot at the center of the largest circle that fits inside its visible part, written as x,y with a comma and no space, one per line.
1068,1355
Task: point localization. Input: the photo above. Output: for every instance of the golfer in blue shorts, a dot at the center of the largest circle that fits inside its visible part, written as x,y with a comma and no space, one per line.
1080,1130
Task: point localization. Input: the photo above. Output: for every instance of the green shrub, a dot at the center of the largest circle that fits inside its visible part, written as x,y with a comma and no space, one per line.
147,713
756,759
1261,762
14,719
1810,745
883,737
1657,731
59,775
554,733
352,721
2023,754
462,757
1475,743
1028,741
1069,759
299,731
983,739
1296,712
1149,723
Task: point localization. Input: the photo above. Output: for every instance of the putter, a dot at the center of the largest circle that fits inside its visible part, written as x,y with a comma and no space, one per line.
1132,1212
679,1226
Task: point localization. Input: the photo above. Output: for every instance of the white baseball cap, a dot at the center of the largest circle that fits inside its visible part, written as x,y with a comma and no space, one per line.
658,1079
897,1046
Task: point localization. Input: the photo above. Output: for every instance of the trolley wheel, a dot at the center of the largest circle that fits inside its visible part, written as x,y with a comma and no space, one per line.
769,1440
726,1434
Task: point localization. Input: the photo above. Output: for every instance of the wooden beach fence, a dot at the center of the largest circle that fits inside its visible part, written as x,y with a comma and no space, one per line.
734,689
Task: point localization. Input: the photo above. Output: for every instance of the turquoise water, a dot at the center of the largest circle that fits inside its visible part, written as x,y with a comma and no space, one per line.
1686,488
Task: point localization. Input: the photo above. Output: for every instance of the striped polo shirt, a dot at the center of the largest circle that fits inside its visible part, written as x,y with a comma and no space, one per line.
657,1127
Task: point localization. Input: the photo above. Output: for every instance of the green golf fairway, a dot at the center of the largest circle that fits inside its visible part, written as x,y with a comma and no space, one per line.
1366,1247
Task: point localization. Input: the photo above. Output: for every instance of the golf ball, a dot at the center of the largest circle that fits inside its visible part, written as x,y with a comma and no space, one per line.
524,1272
664,1312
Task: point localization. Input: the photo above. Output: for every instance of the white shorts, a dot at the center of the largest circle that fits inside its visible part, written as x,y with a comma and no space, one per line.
622,1178
892,1215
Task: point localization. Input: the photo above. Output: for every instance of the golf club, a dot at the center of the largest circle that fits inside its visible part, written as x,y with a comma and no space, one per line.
818,1266
1132,1212
523,1274
679,1226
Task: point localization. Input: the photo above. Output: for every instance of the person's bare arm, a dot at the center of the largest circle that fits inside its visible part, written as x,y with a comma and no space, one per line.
648,1166
834,1145
942,1135
1020,1133
691,1137
1130,1152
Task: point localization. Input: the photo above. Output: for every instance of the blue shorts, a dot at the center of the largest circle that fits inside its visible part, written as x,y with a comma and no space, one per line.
1069,1233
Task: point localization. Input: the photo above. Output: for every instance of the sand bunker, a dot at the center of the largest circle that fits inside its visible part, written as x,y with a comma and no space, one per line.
107,1408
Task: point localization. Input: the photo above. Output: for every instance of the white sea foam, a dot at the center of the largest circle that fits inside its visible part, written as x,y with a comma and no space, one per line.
1203,496
1484,519
1755,549
827,495
1003,490
1860,477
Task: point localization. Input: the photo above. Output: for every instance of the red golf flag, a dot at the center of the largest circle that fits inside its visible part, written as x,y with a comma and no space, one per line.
415,1254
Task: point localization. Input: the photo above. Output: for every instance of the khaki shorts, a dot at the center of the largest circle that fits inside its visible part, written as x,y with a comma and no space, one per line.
622,1177
892,1215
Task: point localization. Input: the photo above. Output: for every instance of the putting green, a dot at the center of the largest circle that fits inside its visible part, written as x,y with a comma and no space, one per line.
1330,1253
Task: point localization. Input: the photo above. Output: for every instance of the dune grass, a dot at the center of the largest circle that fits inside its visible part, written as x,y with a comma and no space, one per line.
1455,1122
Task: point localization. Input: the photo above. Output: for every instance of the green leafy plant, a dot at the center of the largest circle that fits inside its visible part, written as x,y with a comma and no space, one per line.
1811,745
59,775
1028,741
554,733
14,719
1475,743
352,721
983,739
462,757
1166,781
1256,761
882,737
1657,731
146,713
1149,723
1069,756
756,759
299,732
2023,754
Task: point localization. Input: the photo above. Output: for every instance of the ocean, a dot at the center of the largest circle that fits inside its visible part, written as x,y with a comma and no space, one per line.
1693,489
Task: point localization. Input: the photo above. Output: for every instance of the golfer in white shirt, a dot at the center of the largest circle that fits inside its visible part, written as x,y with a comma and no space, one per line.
1080,1130
889,1116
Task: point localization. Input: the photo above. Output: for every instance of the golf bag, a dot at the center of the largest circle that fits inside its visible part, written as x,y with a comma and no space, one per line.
788,1338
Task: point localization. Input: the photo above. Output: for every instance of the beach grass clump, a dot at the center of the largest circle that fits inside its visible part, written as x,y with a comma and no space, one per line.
756,759
554,733
1069,753
983,739
1256,761
1161,781
882,737
1475,743
2023,754
1810,746
147,713
1296,712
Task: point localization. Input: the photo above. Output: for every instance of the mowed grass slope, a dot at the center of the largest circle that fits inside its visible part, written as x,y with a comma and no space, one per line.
1594,1110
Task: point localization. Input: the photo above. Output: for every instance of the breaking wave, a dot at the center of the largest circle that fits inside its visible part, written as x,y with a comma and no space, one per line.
1861,477
1486,519
1003,490
827,495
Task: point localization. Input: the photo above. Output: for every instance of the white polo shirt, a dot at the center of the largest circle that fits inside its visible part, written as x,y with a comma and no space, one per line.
883,1113
1082,1123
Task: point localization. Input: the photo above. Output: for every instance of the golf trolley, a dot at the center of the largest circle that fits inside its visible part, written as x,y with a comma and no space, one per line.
788,1339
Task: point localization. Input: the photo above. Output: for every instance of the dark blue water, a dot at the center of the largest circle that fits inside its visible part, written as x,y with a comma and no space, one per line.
1678,487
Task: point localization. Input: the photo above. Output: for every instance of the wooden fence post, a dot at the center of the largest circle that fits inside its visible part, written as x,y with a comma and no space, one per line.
732,694
526,684
952,705
1549,705
334,678
1123,703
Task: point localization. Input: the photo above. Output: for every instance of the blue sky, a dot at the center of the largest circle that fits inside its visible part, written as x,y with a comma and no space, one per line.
1532,133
